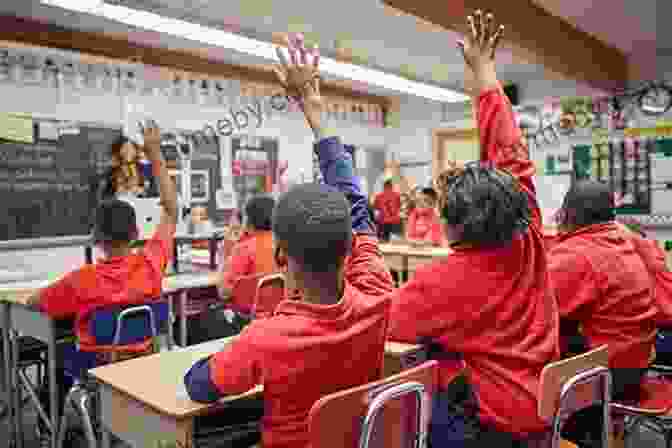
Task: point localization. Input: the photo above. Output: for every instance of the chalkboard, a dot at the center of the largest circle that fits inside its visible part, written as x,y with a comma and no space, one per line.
49,188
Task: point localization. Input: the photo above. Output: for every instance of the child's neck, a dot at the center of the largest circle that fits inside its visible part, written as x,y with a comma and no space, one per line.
323,292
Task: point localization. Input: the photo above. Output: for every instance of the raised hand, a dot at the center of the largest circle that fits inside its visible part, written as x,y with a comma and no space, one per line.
152,136
478,48
300,74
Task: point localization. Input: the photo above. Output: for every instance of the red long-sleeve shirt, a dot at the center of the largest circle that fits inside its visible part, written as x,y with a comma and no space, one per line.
654,260
601,282
493,306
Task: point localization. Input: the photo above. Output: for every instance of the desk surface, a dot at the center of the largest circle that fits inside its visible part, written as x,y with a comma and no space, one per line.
158,380
398,249
16,291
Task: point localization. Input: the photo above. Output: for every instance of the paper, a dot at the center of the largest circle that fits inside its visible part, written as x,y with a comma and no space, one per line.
226,199
15,128
47,130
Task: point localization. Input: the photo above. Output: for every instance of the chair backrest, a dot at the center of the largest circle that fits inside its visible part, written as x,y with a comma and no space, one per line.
270,292
126,325
393,412
573,384
244,293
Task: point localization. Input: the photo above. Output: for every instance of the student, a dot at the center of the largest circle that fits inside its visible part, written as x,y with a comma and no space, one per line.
489,301
333,338
121,276
388,205
655,261
602,285
424,224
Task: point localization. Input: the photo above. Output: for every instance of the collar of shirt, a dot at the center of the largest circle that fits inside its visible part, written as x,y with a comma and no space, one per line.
316,311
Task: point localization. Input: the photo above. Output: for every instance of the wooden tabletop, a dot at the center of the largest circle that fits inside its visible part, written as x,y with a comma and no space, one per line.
190,280
158,380
414,251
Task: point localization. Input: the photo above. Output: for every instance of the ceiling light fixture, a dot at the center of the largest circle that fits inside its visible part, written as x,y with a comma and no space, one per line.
266,50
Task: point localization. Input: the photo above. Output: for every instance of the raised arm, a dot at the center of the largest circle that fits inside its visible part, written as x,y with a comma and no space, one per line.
501,139
300,78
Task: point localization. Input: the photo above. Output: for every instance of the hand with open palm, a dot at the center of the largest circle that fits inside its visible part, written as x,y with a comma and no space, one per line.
478,49
300,77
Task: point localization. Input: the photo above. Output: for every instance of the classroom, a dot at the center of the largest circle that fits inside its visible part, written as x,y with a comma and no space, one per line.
256,224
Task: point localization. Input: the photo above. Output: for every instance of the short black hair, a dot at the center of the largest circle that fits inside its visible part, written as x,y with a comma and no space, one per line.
430,193
115,221
486,204
388,183
259,212
588,202
314,221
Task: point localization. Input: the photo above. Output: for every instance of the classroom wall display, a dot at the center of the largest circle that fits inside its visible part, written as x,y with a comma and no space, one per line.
49,188
624,164
200,185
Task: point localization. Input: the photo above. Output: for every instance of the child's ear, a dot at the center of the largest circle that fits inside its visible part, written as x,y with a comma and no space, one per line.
280,256
135,233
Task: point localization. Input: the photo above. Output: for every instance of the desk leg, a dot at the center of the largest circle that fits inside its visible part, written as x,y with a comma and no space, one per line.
53,387
183,318
16,393
7,376
171,322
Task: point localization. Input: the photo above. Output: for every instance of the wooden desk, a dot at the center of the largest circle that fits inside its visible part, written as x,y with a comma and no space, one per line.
151,389
406,258
28,322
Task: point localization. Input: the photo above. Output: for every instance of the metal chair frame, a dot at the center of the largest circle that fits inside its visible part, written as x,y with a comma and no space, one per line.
391,393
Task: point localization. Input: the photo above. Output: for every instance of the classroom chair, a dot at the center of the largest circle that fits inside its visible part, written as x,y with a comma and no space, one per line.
653,408
572,384
393,412
117,328
270,292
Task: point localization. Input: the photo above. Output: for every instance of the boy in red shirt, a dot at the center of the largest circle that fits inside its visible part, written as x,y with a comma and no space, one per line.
424,223
334,337
121,277
490,300
602,285
388,205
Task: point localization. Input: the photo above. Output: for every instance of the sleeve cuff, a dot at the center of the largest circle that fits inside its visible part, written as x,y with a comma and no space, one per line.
199,385
329,149
499,89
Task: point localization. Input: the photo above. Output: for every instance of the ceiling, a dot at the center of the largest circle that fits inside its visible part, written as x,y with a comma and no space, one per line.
628,25
396,43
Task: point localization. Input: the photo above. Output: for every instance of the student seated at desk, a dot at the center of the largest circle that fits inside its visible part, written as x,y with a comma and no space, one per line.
253,253
424,223
489,301
601,284
334,337
121,276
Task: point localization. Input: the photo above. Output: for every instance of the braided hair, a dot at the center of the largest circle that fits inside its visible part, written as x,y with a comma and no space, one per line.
485,204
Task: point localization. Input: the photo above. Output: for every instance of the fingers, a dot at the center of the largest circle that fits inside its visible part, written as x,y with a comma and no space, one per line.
478,19
280,75
301,48
315,52
488,29
495,39
472,29
291,49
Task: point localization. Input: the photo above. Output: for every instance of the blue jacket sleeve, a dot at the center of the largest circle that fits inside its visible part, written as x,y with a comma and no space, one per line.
199,384
337,170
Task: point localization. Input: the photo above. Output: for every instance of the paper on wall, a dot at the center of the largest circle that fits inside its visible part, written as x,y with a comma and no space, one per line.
47,130
16,128
225,199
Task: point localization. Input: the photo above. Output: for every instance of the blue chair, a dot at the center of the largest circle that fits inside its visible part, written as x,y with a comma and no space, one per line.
119,327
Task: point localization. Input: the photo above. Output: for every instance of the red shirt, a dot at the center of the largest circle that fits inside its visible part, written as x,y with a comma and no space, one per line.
491,305
306,351
601,282
132,279
424,224
654,260
388,202
251,255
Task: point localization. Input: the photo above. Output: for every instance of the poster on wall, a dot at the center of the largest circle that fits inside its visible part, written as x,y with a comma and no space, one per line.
200,184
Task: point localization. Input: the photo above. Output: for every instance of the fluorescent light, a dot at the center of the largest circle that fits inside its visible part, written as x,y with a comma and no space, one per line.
242,44
75,5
